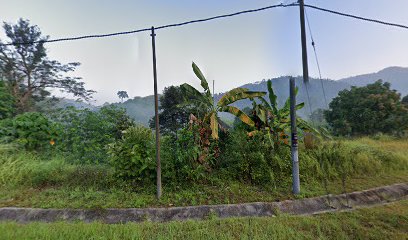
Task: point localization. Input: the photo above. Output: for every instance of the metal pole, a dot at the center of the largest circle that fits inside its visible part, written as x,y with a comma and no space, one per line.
303,37
294,139
156,118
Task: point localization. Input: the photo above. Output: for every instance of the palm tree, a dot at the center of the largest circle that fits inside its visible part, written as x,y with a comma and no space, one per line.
205,102
122,95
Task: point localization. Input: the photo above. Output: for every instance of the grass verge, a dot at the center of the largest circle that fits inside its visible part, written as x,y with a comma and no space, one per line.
382,222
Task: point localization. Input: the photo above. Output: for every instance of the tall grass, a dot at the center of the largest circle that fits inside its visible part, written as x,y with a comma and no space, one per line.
19,168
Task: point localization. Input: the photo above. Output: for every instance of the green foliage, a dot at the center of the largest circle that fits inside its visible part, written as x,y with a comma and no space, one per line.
405,100
31,179
253,159
32,130
122,95
132,156
29,169
275,121
85,134
7,101
367,110
181,154
172,116
205,102
30,73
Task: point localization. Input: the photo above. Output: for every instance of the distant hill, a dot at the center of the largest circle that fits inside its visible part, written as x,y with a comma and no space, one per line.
397,76
280,86
64,102
142,108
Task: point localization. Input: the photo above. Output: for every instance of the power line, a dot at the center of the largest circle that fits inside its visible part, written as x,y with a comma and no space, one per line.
148,29
317,59
357,17
205,20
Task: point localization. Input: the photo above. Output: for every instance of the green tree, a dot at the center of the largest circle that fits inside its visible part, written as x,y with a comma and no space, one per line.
85,134
6,101
172,116
405,100
372,109
29,73
33,130
205,102
122,95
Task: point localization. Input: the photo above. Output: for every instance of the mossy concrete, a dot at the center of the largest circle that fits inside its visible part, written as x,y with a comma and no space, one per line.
307,206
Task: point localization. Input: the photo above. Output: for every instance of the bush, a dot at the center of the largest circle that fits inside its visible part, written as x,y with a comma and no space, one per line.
180,156
85,133
132,156
252,159
32,130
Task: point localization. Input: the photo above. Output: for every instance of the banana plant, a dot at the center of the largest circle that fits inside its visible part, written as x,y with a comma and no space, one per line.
205,101
275,120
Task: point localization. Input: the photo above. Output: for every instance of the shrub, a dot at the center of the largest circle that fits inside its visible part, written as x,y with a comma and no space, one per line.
85,133
132,156
32,130
251,158
180,155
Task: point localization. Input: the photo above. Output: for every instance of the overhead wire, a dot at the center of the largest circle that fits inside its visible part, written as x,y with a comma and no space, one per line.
156,28
208,19
317,59
357,17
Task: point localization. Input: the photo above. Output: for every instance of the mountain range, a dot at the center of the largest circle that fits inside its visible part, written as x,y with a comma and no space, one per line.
142,108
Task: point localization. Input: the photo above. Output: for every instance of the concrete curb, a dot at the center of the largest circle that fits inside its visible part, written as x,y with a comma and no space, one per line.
308,206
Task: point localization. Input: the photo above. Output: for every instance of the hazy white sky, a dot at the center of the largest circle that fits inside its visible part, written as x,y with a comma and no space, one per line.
231,51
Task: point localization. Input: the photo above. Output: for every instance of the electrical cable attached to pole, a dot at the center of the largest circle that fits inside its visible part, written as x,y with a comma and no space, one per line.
156,28
147,29
316,58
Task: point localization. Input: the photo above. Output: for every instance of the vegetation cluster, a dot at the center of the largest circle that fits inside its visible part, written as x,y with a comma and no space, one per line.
105,150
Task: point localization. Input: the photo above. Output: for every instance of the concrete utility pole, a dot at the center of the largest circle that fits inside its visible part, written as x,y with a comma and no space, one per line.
156,118
303,37
294,138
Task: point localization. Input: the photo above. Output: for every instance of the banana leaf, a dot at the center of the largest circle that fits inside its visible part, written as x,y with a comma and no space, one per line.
239,114
238,94
204,82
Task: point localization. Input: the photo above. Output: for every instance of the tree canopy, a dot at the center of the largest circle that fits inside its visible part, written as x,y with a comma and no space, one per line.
122,95
372,109
172,116
405,100
27,71
6,102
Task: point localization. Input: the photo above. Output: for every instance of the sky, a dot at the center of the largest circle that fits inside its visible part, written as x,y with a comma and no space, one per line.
231,51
